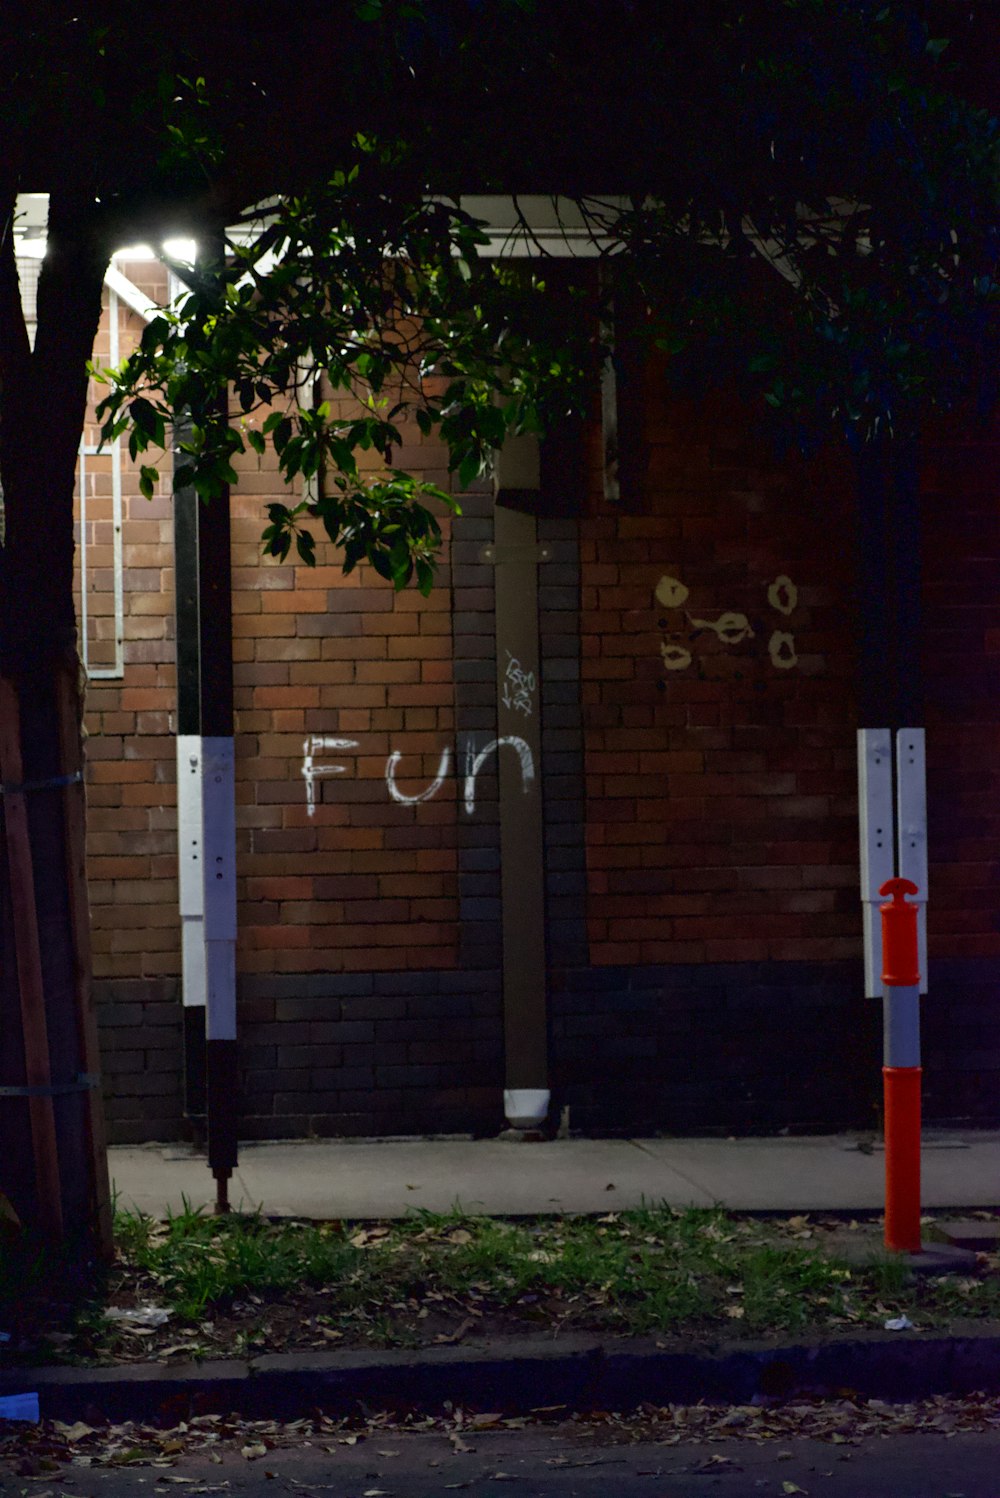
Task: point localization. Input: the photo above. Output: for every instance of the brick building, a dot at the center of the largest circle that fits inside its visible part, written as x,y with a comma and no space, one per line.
693,777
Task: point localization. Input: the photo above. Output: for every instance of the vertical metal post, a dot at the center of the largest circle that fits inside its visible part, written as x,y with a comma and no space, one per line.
626,453
515,554
190,833
207,823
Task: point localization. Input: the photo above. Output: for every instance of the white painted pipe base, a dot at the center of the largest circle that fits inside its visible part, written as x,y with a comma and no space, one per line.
526,1107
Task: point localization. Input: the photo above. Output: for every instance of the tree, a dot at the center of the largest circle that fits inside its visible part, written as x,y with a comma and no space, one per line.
804,200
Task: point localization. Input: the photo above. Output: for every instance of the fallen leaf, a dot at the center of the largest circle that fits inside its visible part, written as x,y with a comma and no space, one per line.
75,1432
254,1450
458,1333
793,1487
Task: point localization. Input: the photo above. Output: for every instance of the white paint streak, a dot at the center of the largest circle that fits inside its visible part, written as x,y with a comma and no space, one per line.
320,744
425,795
474,763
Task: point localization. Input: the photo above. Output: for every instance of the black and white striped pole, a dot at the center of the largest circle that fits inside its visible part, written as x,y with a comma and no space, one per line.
207,824
190,831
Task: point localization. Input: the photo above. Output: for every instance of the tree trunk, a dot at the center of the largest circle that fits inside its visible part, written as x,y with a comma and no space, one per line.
53,1166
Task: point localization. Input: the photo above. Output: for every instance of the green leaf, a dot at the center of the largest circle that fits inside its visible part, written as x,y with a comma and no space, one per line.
469,469
143,415
148,479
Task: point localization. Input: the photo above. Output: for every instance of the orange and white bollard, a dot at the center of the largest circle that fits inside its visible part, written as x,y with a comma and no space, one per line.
901,1070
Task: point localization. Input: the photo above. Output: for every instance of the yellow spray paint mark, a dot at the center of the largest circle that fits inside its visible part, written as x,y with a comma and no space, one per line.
730,628
783,595
781,649
671,592
675,657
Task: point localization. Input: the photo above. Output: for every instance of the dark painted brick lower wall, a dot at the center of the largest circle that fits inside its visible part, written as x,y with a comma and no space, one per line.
371,1053
733,1048
738,1048
748,1048
961,1041
141,1058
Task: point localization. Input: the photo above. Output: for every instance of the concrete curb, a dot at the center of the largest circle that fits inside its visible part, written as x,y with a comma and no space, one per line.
516,1376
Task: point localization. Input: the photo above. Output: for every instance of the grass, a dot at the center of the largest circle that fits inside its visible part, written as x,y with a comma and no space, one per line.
244,1283
652,1269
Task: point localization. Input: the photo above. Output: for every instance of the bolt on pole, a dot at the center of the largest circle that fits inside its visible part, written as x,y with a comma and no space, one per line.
901,1069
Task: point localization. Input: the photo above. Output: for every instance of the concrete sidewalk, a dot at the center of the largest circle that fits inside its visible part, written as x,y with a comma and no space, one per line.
371,1179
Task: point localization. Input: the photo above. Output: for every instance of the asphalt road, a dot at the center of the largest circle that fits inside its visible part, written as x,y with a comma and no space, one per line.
546,1464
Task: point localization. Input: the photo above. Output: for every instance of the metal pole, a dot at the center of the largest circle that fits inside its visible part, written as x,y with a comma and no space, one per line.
207,824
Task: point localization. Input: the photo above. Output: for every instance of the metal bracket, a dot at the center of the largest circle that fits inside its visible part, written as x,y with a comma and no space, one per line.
891,833
498,556
911,828
85,1082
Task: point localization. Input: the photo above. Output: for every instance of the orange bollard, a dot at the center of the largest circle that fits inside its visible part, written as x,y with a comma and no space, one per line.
901,1071
901,1091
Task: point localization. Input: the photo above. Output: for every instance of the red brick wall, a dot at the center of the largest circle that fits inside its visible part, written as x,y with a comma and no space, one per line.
961,658
131,768
363,883
700,805
720,784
